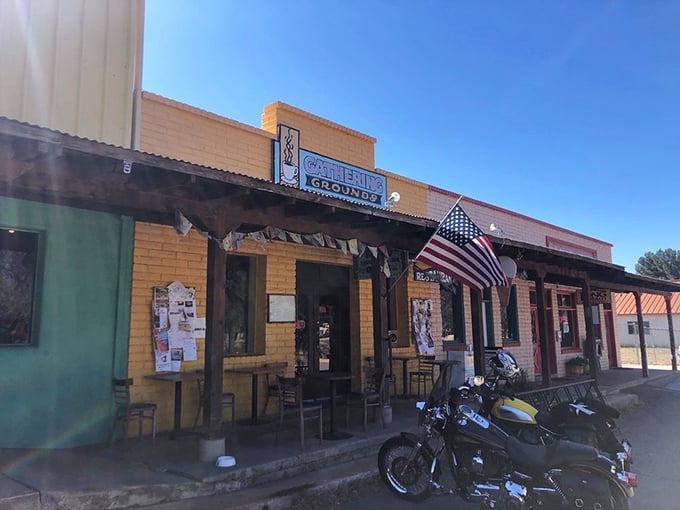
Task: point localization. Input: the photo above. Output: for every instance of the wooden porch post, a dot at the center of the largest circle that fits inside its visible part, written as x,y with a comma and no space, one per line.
590,347
544,335
671,333
214,340
476,314
641,335
379,281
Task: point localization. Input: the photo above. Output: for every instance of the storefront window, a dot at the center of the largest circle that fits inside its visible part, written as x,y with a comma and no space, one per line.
453,321
240,303
509,319
566,305
18,265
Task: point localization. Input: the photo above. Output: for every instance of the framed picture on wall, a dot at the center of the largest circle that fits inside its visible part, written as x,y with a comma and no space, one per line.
281,308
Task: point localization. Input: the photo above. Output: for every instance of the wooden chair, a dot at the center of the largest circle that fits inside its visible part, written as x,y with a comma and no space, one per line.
371,396
291,402
424,373
127,411
272,381
228,400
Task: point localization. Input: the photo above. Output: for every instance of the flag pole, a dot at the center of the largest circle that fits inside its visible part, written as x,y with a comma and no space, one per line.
421,250
439,226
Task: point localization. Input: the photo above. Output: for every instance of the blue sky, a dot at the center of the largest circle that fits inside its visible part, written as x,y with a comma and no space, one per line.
568,112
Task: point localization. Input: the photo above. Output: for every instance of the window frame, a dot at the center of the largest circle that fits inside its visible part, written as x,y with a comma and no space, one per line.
36,292
636,330
256,306
573,325
512,318
455,289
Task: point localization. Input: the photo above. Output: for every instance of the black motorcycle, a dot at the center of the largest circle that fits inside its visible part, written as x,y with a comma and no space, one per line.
583,420
490,466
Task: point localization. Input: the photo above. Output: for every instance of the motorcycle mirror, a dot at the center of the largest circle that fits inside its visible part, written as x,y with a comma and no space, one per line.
420,405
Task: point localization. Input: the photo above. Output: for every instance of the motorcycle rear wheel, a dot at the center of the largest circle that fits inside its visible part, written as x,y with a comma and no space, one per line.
410,481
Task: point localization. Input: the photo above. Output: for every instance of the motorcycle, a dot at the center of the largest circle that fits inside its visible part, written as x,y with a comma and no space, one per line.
585,421
492,467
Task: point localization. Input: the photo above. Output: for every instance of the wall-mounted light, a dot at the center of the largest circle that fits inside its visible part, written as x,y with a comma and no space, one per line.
394,197
497,230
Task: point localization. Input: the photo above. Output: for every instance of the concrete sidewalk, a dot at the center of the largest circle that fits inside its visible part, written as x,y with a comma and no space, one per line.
167,475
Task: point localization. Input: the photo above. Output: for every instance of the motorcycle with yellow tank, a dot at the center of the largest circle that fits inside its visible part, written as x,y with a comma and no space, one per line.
584,421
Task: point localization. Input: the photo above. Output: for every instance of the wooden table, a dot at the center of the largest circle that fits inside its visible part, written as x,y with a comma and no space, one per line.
333,378
254,373
178,378
404,370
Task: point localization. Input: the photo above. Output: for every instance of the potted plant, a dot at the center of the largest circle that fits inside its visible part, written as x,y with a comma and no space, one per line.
576,366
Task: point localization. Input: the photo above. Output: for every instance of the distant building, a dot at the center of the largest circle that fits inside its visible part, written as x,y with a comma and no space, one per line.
654,319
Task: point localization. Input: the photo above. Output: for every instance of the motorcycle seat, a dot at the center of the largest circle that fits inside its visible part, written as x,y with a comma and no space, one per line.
543,457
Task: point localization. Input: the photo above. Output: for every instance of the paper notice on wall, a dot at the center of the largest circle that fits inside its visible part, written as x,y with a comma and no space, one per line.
176,359
163,362
189,350
199,327
161,341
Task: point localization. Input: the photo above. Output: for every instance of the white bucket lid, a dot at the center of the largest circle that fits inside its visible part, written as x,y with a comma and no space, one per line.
225,461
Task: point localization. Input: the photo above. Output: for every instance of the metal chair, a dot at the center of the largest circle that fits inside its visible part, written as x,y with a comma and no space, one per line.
391,379
127,411
272,382
371,396
291,401
424,373
228,400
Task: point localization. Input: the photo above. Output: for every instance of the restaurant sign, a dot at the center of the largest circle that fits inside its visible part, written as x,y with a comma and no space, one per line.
430,275
309,171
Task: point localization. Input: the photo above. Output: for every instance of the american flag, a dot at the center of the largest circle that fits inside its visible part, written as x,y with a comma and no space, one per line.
460,249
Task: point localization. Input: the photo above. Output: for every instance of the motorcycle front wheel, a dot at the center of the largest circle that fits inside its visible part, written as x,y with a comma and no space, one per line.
407,477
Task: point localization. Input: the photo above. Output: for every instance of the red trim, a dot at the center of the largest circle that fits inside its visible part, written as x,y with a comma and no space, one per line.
553,242
430,187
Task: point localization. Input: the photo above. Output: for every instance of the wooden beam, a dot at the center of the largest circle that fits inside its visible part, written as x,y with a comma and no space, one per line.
214,340
590,348
641,335
544,335
476,316
671,332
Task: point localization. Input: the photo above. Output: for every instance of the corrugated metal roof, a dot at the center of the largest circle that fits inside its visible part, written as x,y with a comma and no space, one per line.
652,304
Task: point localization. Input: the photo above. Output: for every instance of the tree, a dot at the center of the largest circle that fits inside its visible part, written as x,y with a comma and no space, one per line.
663,264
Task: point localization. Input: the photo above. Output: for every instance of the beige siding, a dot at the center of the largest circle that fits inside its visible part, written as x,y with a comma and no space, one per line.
73,65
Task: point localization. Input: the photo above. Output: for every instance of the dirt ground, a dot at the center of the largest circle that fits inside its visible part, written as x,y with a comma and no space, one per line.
655,356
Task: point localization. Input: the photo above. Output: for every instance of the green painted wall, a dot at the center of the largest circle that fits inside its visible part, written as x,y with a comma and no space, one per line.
58,393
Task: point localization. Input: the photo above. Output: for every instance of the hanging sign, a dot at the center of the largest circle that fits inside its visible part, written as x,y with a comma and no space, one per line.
299,168
430,275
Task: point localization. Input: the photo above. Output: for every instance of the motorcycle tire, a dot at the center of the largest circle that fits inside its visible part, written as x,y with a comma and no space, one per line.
408,481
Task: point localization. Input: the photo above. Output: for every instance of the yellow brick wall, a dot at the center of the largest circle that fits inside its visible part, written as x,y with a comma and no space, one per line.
182,132
322,136
161,257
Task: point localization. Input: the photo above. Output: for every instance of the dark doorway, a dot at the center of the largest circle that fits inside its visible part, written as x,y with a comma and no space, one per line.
611,339
322,339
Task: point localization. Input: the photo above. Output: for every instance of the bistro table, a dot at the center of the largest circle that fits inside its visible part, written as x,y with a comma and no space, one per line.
178,378
255,373
404,370
333,378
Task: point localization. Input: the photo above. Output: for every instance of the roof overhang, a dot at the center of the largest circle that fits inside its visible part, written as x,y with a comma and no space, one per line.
48,166
561,267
